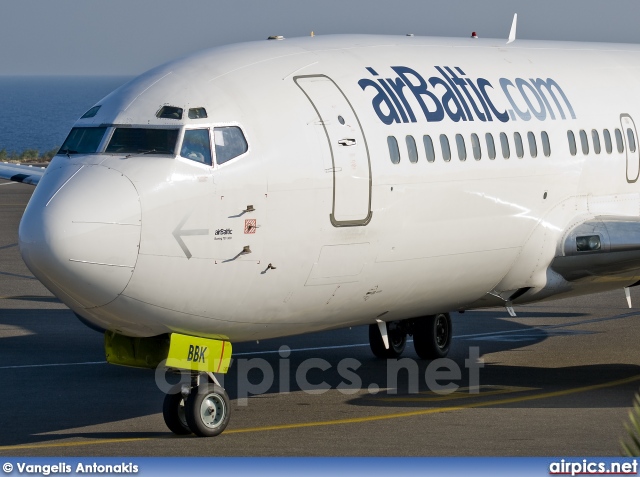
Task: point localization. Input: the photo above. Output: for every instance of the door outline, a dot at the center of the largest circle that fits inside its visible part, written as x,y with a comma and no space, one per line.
626,143
334,222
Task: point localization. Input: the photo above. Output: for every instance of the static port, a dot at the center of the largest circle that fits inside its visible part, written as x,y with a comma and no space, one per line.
588,243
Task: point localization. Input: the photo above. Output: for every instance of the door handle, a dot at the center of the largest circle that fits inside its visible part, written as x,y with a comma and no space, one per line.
347,142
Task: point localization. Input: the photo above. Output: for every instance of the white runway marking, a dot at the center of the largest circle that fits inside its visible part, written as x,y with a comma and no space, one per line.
51,364
9,183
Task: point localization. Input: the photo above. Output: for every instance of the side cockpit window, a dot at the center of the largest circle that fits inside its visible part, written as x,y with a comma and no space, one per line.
83,141
196,146
230,143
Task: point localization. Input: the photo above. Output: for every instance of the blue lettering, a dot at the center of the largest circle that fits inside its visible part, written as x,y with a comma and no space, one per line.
524,115
463,85
397,86
478,94
449,97
482,86
419,90
462,98
390,115
539,84
394,99
540,114
454,88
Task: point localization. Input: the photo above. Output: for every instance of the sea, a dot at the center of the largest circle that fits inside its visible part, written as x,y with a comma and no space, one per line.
37,112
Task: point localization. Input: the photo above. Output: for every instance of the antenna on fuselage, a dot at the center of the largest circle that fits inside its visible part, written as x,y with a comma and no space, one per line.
512,33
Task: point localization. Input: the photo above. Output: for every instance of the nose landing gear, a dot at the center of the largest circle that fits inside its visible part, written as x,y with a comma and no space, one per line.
201,408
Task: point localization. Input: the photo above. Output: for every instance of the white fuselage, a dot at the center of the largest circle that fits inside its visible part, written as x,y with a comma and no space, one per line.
150,244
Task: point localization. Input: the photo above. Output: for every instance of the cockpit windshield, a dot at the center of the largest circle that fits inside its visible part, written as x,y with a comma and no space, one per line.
143,141
83,141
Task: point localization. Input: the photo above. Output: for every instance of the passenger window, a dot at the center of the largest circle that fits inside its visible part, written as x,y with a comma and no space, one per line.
504,143
394,151
533,148
608,145
428,148
196,146
446,150
584,142
462,149
491,146
631,140
413,150
573,149
169,112
595,137
619,142
230,143
546,145
475,146
519,147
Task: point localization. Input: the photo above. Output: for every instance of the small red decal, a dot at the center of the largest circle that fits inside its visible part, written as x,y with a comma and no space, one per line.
250,226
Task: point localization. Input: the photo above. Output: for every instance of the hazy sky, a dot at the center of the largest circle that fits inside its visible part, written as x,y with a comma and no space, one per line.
127,37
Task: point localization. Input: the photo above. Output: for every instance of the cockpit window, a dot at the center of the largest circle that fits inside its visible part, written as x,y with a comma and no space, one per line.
91,113
169,112
196,146
197,113
82,141
143,141
230,143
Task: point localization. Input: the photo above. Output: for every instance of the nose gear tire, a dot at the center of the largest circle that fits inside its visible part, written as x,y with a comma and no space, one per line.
207,410
173,411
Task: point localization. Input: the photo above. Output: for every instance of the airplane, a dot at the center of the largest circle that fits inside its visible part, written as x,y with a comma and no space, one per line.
288,186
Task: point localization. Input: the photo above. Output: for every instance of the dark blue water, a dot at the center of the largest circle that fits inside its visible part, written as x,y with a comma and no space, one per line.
37,112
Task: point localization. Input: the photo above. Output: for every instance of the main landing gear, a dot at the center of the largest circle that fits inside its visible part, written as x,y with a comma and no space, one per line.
431,337
201,408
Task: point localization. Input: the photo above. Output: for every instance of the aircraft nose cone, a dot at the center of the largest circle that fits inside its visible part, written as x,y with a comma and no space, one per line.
80,233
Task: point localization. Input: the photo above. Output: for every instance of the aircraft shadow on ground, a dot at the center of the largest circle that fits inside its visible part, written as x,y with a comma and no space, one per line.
49,403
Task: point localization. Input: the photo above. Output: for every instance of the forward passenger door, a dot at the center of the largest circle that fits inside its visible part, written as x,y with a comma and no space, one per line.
348,148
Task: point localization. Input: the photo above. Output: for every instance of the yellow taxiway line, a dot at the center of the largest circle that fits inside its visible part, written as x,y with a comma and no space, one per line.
353,420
